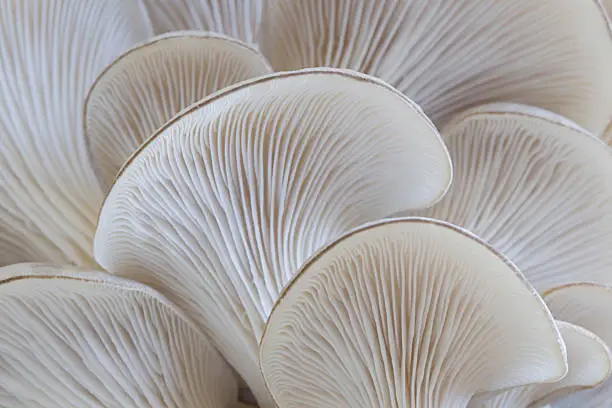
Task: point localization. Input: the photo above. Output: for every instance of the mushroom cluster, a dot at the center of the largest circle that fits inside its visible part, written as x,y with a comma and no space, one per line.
305,203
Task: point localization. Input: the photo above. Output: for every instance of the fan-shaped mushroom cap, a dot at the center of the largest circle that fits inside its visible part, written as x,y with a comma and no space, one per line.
450,55
72,338
589,306
152,82
536,187
222,206
589,362
50,54
407,313
237,18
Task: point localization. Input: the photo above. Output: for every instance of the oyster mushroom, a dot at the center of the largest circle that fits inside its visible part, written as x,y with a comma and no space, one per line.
536,187
223,204
237,18
75,338
589,363
588,305
50,53
407,313
152,82
450,55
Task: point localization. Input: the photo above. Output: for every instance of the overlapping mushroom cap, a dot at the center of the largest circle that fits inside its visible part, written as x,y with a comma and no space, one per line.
50,53
237,18
407,313
536,187
587,305
147,85
74,338
222,206
589,364
449,55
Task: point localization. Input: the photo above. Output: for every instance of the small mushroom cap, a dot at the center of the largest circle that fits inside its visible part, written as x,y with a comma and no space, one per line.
589,362
75,338
150,83
587,305
450,55
220,208
236,18
536,187
407,313
50,54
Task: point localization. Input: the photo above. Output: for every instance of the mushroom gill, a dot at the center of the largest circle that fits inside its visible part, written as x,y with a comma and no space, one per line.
50,53
450,55
150,83
220,208
407,313
536,187
75,338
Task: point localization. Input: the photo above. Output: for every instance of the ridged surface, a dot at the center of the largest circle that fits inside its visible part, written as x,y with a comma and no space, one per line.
406,314
587,305
448,55
534,186
219,210
149,84
50,53
77,339
589,363
236,18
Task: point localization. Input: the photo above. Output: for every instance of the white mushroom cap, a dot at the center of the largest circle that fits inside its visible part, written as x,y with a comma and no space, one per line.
73,338
589,363
407,313
450,55
50,54
151,82
587,305
237,18
221,207
536,187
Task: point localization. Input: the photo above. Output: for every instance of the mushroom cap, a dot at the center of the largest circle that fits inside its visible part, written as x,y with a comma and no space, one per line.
220,208
536,187
589,362
587,305
150,83
76,338
50,54
407,313
237,18
455,54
